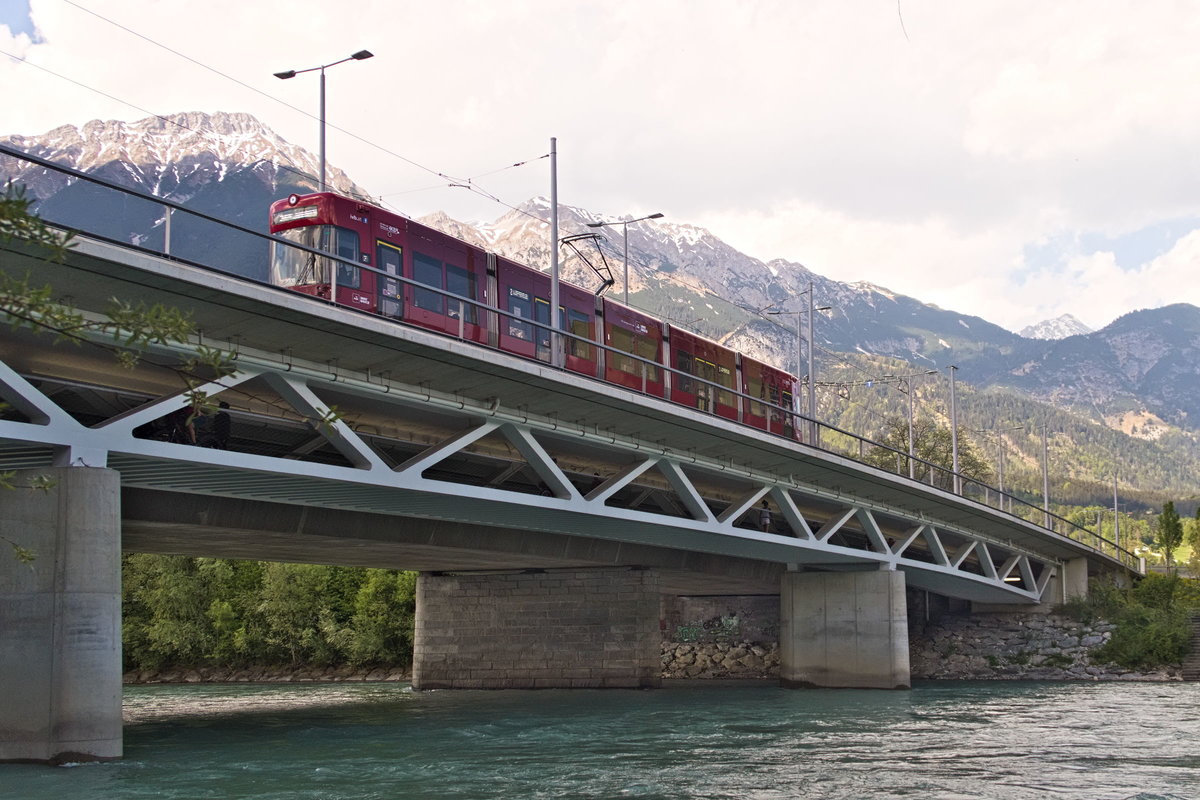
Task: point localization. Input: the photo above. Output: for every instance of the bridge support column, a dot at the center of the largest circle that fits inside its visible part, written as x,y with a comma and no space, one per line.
564,629
60,617
844,630
1075,578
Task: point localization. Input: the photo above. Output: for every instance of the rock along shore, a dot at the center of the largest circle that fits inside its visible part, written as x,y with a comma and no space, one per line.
303,674
1029,647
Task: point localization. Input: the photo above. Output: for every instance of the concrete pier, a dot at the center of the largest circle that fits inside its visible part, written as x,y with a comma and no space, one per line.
539,629
844,630
60,617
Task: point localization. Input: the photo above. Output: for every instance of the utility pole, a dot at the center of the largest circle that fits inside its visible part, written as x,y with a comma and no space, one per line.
954,431
1116,513
1045,476
815,431
555,339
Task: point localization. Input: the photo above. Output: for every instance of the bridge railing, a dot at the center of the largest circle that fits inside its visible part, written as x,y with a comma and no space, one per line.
217,244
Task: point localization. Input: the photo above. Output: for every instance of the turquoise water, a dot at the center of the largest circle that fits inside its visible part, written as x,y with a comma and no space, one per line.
941,740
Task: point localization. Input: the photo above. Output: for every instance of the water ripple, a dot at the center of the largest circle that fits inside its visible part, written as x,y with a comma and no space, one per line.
941,741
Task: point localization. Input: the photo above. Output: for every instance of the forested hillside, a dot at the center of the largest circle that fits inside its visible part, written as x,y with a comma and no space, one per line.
861,393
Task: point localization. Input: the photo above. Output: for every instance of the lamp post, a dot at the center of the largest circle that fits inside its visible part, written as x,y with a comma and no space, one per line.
1000,460
957,481
1045,476
291,73
625,223
811,399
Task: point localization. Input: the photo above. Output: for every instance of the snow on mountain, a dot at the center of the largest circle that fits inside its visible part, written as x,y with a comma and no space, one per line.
1057,328
171,156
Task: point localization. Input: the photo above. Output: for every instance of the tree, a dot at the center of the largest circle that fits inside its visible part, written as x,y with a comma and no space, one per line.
1193,541
1170,531
932,444
383,618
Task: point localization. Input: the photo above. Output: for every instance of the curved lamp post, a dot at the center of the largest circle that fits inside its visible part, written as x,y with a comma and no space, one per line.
291,73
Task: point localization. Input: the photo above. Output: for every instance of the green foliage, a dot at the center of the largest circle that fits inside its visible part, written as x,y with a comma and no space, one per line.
1170,531
188,612
383,618
1151,619
1146,637
1192,539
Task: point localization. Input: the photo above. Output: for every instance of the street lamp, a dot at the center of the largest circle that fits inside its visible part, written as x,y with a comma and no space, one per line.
1001,457
625,232
904,385
954,431
811,404
291,73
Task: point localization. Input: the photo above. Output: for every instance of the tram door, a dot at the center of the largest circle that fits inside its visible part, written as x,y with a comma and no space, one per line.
389,259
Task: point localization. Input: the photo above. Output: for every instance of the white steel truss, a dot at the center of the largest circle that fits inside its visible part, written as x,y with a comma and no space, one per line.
642,493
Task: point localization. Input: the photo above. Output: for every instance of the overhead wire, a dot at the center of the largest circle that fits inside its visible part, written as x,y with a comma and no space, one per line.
467,183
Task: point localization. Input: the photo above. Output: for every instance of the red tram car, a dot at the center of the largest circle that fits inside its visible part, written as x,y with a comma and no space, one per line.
420,276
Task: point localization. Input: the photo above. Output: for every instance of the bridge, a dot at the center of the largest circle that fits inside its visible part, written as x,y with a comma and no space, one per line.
547,512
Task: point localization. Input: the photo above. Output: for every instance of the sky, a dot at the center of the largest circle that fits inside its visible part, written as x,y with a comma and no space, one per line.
1016,160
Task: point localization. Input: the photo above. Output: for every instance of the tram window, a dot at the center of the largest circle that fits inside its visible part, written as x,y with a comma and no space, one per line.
627,341
756,388
725,378
683,363
647,348
520,307
461,283
428,271
580,326
789,404
623,342
344,243
389,259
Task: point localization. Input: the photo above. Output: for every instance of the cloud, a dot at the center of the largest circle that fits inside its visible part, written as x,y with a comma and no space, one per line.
927,159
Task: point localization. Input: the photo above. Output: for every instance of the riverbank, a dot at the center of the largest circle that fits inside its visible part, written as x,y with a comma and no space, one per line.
301,674
1030,647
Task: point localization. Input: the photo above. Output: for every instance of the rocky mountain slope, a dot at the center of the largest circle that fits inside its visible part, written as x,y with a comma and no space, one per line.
229,166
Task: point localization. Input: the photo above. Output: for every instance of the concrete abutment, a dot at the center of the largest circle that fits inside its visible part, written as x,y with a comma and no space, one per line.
844,630
60,654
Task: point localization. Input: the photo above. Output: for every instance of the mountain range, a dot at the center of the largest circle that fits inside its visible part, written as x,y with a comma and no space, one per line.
1140,375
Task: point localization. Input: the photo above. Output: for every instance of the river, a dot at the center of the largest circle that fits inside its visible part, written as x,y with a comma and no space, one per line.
944,740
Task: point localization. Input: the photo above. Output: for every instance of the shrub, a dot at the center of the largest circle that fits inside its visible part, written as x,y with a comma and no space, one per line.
1151,619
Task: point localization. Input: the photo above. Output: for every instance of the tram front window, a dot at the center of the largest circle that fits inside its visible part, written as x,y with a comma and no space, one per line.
292,266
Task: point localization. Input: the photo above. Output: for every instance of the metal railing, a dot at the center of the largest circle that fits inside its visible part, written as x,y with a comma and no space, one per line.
228,237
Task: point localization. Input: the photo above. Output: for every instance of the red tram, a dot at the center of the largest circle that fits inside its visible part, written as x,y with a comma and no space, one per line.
420,276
